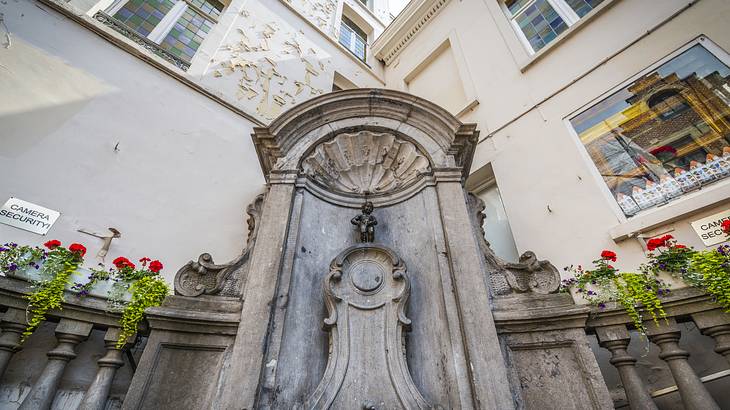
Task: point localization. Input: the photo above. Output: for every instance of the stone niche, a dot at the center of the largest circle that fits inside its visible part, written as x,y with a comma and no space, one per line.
310,317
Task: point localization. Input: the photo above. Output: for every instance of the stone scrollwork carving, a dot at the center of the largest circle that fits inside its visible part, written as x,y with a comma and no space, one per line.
528,275
365,293
532,275
204,277
366,162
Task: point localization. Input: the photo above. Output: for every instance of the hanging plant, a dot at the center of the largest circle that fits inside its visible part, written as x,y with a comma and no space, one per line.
711,268
637,293
48,293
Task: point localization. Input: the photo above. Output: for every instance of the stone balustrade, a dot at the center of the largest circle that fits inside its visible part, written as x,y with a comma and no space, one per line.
70,361
671,341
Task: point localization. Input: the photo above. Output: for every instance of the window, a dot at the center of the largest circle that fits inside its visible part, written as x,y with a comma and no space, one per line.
177,26
664,134
540,21
367,3
353,38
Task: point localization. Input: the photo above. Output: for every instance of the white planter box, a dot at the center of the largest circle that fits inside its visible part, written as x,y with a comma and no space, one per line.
100,290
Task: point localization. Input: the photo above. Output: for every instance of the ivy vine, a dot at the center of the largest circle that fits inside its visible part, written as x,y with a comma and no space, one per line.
146,292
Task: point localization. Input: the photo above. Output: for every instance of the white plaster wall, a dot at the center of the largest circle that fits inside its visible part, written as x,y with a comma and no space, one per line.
536,160
185,167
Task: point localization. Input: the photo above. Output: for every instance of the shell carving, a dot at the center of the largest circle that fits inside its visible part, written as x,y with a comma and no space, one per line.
366,162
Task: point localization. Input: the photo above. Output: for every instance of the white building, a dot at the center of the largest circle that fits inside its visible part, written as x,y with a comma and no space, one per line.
116,116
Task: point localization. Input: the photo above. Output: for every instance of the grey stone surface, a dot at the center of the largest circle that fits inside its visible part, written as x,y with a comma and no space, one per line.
69,333
550,361
694,394
616,338
366,291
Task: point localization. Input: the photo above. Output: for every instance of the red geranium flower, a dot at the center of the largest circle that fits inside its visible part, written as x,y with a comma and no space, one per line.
78,248
144,261
122,262
52,244
726,226
156,266
608,255
610,267
679,246
654,243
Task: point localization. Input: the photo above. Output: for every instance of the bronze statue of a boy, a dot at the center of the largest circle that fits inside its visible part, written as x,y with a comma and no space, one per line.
366,222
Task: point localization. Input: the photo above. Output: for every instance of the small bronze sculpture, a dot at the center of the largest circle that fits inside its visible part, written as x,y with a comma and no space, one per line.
366,222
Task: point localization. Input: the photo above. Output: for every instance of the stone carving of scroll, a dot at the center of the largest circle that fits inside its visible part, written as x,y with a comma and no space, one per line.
532,275
365,162
528,275
365,293
204,277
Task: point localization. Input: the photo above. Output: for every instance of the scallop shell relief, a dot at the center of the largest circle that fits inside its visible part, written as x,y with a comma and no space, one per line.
365,162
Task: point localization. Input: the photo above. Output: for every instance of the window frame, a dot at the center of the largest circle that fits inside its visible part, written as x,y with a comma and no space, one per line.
569,16
167,23
353,35
591,166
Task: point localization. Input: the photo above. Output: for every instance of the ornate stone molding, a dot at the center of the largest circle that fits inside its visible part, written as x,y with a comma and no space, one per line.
204,277
404,28
528,275
442,139
365,162
365,293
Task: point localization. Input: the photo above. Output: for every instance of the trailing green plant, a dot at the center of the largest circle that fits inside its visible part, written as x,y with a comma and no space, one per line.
637,293
48,293
146,292
712,269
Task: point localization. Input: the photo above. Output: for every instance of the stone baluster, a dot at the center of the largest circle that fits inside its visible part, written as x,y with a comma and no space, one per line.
693,392
616,339
97,394
69,333
716,324
12,325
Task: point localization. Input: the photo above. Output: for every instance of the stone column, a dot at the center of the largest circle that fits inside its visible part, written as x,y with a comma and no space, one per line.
242,378
98,392
693,392
69,334
12,325
616,339
487,369
716,324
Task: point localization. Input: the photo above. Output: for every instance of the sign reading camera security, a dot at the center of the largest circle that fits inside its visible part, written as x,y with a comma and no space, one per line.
27,216
710,230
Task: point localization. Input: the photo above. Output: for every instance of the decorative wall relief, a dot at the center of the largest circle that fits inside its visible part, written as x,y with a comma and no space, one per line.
269,65
365,293
321,13
366,162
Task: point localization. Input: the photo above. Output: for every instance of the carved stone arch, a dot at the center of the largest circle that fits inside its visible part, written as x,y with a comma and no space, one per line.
447,142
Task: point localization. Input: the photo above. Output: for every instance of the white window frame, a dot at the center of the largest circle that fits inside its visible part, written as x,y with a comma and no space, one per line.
561,7
353,37
591,166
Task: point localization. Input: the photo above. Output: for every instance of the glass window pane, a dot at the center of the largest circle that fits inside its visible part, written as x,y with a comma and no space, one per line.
185,38
353,38
583,7
143,16
665,134
540,24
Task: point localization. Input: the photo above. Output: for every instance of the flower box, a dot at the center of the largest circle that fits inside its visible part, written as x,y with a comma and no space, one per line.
100,289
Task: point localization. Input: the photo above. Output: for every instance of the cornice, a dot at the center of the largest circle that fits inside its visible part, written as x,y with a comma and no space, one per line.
404,28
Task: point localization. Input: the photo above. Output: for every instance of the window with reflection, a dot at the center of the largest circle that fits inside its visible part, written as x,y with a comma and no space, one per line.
665,134
538,22
353,38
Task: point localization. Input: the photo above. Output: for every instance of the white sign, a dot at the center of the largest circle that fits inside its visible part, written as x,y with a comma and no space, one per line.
709,229
27,216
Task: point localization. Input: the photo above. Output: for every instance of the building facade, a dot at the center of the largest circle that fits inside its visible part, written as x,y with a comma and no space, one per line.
602,123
